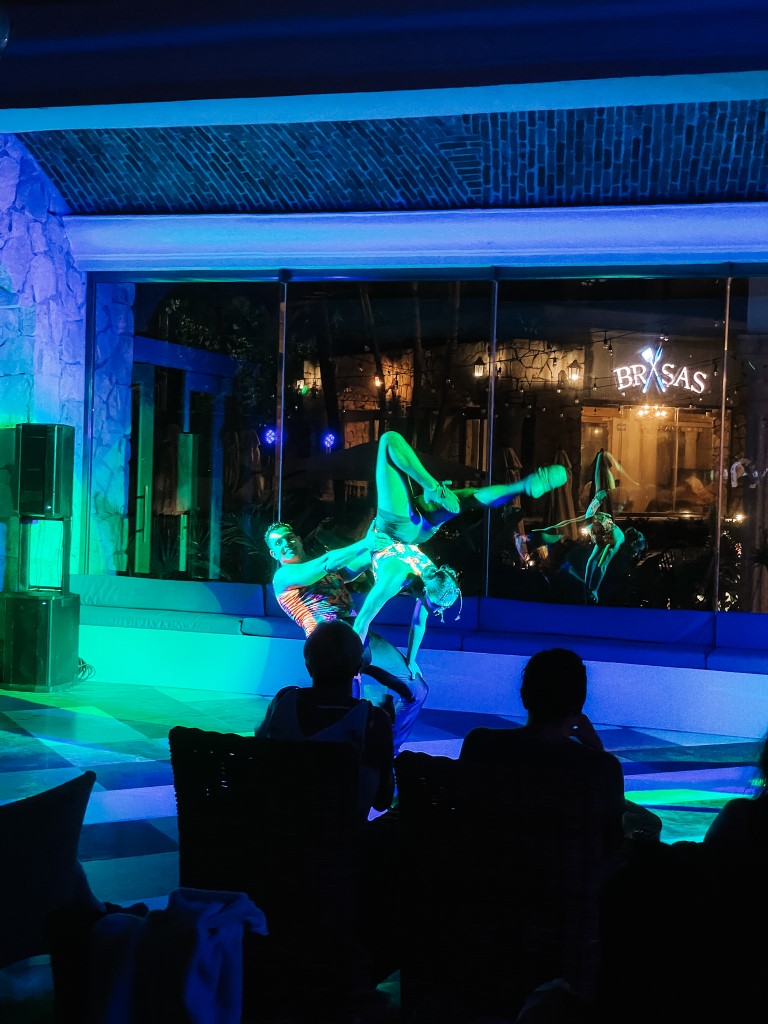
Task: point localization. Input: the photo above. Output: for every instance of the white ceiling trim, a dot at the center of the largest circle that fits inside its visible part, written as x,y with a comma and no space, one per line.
469,239
371,106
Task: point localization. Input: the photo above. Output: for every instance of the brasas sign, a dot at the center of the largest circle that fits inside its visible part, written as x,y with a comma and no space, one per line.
655,372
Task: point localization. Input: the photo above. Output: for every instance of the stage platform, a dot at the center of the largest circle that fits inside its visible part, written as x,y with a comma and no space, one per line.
695,700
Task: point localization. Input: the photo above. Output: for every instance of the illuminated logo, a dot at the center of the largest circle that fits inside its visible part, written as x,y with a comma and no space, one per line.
659,374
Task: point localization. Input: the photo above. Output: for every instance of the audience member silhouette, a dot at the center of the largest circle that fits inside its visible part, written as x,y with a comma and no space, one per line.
736,848
541,807
687,918
327,711
738,835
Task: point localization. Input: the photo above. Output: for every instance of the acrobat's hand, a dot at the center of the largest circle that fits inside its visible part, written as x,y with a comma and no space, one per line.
440,495
414,669
595,504
357,686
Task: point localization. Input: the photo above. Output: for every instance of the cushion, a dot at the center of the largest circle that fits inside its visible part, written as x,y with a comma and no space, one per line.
589,648
239,599
271,607
160,618
39,867
740,630
656,625
442,639
734,659
279,626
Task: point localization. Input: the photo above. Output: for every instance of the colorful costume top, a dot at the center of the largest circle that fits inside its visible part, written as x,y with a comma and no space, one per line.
383,548
323,601
603,530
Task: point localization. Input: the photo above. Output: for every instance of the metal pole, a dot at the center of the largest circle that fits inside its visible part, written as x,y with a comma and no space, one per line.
89,370
721,467
281,356
490,431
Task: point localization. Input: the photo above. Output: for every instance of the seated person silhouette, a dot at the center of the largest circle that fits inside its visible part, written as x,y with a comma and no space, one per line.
736,848
542,803
326,711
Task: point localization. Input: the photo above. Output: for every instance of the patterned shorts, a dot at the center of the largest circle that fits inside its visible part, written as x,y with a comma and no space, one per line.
412,558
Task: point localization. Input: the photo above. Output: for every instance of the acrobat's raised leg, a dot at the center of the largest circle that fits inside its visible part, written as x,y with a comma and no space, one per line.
396,465
599,559
544,480
535,485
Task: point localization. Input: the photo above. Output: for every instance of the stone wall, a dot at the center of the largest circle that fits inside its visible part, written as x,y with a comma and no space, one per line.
113,366
42,330
44,368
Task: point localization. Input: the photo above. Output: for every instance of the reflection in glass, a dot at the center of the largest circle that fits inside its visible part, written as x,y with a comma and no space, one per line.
376,356
616,380
743,564
201,474
626,382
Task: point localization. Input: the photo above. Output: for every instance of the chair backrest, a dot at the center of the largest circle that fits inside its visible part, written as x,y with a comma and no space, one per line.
429,948
272,818
280,821
426,786
39,865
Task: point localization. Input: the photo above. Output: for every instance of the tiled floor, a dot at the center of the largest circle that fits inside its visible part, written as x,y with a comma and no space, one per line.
129,841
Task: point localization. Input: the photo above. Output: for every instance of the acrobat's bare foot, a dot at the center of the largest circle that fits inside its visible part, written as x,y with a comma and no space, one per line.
544,480
440,495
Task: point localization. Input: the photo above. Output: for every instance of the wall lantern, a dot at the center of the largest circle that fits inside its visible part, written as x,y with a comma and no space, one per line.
377,381
574,372
479,366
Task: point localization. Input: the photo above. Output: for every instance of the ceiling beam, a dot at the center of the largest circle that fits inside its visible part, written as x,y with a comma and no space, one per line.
713,235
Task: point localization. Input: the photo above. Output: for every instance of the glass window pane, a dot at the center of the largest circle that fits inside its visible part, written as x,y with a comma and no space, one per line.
620,381
199,373
363,357
743,556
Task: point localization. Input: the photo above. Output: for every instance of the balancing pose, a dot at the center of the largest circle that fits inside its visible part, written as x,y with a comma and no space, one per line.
405,519
311,591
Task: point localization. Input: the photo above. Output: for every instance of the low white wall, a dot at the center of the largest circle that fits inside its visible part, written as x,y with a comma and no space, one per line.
685,700
198,661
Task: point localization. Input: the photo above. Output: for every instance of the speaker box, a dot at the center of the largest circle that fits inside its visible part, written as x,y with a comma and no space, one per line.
42,632
45,462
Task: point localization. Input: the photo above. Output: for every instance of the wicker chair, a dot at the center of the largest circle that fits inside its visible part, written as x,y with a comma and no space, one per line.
279,821
429,946
40,866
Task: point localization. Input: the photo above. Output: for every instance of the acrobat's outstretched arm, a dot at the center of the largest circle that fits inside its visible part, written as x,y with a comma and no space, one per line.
354,559
416,635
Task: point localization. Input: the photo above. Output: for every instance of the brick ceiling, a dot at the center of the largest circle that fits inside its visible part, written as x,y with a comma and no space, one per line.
668,153
80,54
